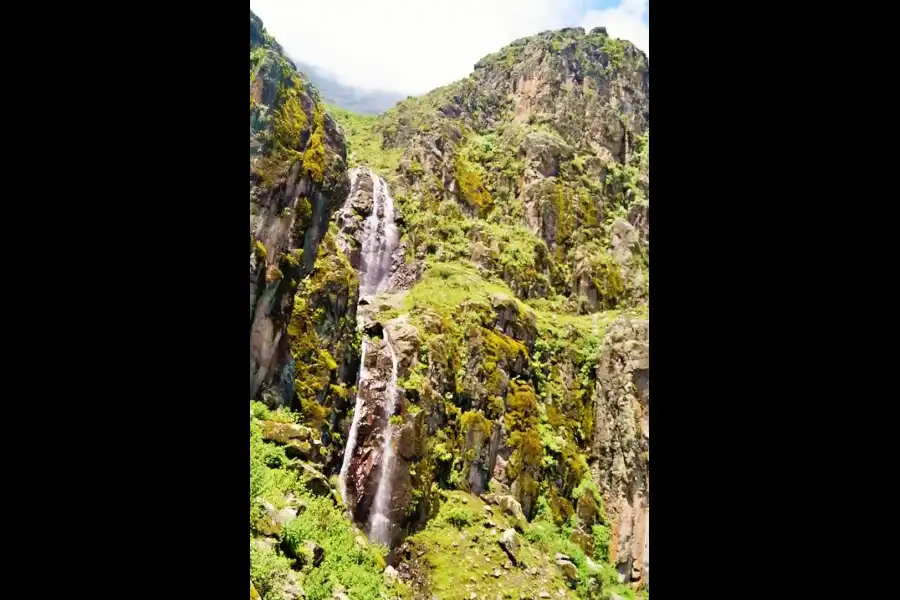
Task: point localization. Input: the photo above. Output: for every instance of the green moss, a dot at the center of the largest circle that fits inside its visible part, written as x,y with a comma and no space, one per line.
475,422
314,156
329,360
290,121
316,333
260,251
471,185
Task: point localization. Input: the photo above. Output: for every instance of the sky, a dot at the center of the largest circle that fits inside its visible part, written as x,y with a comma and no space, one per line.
414,46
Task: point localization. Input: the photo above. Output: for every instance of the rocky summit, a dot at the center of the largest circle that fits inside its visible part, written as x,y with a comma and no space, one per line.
449,331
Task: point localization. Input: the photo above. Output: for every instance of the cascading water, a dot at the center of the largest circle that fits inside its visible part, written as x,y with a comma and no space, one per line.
354,427
379,523
380,238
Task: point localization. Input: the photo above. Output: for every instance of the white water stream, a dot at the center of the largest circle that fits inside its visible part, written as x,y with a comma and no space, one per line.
379,242
379,523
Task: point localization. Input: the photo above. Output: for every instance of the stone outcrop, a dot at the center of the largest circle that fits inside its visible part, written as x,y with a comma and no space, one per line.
620,454
297,180
367,461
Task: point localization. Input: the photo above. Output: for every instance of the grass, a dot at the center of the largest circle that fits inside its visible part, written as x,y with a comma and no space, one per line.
446,286
281,414
350,562
456,571
364,142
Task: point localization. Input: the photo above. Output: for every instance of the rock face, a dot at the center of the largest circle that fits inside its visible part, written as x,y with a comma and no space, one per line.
367,462
621,443
297,180
559,124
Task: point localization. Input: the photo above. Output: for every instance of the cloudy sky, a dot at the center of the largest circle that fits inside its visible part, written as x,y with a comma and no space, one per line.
414,46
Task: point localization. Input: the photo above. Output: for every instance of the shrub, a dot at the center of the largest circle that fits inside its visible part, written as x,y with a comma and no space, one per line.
355,565
458,515
268,571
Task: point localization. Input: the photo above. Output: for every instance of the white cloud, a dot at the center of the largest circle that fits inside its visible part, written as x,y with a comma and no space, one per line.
624,21
414,46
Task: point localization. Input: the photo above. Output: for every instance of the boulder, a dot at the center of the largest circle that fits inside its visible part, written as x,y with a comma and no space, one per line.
268,523
509,541
569,570
312,553
282,433
584,541
390,576
312,479
295,438
285,516
512,509
291,590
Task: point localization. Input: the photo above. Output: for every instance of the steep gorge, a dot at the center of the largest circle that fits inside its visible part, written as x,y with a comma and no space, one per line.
455,329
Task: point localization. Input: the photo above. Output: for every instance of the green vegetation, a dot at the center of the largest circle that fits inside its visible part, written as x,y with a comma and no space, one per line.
348,560
268,571
316,334
314,157
364,142
352,564
281,414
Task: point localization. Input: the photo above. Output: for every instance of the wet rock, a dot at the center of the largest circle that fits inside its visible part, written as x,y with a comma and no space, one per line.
509,541
391,576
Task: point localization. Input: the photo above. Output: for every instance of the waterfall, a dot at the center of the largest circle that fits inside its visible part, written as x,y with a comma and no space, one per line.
380,524
380,238
351,437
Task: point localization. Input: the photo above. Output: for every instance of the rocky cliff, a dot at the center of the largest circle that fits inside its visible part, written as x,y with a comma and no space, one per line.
459,327
297,179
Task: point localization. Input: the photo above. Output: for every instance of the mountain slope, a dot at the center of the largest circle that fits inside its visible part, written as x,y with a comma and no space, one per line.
523,195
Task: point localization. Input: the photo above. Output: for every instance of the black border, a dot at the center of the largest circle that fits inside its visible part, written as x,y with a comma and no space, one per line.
762,121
